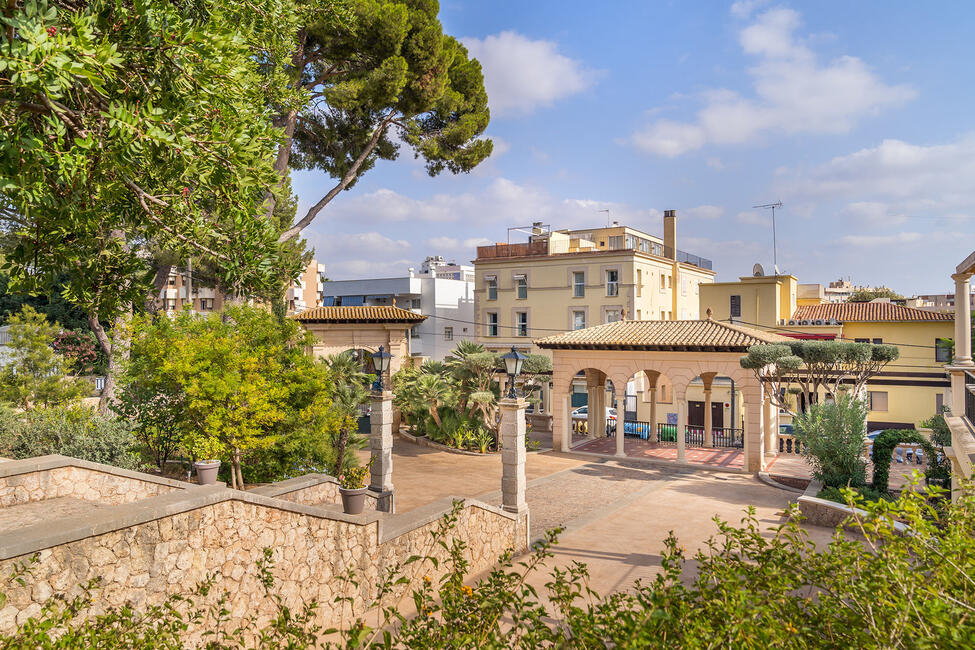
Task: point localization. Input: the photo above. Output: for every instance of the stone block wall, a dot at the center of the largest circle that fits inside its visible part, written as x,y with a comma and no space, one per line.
167,544
105,487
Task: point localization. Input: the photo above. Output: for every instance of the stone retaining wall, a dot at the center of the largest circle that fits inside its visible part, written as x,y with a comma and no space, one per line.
51,477
143,551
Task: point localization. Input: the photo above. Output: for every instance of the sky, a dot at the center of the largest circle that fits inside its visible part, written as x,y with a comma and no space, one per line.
857,116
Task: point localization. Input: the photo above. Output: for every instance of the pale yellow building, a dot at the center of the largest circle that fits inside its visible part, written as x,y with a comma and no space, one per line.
563,280
906,392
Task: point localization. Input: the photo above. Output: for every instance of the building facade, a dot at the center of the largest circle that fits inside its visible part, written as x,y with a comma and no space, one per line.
961,414
182,288
442,291
904,393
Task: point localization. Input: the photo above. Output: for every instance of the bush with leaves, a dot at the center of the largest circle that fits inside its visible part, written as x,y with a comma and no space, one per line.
832,437
76,431
749,588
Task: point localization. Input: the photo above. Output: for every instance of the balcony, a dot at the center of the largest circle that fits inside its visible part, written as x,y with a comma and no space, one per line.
539,247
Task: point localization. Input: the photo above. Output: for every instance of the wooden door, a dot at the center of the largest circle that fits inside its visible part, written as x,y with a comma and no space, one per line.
717,415
695,414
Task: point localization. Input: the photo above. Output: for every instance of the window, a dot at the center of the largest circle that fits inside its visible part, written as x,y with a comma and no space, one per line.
736,306
613,315
877,400
639,282
578,320
616,242
939,403
683,286
415,303
521,287
415,332
492,288
448,334
172,280
942,352
170,304
663,282
861,340
663,315
612,282
878,341
206,304
521,318
578,284
492,323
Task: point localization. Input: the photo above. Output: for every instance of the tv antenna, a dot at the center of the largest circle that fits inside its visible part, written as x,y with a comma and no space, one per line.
772,206
607,216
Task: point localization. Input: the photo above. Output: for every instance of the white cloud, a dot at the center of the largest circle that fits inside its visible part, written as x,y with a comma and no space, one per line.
704,212
753,218
880,240
792,93
521,75
744,8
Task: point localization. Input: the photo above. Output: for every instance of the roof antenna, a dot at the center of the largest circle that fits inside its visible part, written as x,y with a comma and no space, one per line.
777,204
607,216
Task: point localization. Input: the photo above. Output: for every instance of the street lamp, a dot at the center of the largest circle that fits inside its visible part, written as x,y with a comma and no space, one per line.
380,361
512,362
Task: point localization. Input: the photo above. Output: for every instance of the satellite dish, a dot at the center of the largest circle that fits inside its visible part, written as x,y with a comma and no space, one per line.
758,271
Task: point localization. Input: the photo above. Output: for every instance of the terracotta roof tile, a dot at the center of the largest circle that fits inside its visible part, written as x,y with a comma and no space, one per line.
852,312
359,314
663,335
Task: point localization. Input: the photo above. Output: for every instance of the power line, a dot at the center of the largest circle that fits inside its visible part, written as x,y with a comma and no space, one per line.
783,329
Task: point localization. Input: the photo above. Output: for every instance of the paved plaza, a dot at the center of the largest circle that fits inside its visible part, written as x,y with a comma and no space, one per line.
616,512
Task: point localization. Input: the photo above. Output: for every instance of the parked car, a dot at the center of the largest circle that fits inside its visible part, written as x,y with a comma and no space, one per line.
582,413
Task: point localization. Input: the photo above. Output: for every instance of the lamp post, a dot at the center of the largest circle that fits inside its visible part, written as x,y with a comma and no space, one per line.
513,362
381,438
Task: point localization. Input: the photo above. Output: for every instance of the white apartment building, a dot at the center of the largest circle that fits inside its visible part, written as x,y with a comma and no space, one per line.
443,291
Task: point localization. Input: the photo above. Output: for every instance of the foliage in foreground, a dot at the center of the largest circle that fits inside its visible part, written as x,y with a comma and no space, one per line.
753,589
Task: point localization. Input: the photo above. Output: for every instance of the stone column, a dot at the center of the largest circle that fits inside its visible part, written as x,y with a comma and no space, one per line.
963,320
681,427
752,435
620,405
513,481
708,432
769,422
566,423
596,392
653,414
381,449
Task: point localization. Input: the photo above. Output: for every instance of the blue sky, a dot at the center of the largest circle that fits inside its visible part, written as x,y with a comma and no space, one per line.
856,115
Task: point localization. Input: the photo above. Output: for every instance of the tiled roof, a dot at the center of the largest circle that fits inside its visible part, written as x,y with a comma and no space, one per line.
360,314
663,335
852,312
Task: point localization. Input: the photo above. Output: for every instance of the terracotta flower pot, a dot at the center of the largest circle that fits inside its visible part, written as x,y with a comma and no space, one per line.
353,501
206,471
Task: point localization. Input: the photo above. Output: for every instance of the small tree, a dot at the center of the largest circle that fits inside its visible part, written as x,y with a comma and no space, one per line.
36,375
812,366
832,437
350,393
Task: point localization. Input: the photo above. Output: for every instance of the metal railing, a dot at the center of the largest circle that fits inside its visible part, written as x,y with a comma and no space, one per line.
539,247
666,434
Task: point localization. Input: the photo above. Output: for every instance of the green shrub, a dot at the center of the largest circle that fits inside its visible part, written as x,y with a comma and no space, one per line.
76,431
883,447
833,436
868,493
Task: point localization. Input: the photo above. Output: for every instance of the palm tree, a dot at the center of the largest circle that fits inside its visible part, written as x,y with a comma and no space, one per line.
434,391
349,394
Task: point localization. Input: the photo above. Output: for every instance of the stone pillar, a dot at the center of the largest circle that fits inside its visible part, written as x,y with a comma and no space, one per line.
620,405
708,432
513,481
596,391
653,414
681,427
963,320
752,435
769,421
381,449
565,423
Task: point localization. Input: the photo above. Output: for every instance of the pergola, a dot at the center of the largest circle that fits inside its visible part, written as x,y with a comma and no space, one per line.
681,351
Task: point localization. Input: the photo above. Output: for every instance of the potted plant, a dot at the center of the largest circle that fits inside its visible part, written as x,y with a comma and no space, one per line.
206,449
352,487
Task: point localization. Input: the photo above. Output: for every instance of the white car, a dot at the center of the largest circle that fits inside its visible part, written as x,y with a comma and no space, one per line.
582,413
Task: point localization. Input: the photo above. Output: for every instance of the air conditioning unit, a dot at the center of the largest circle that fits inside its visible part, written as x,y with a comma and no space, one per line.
793,322
819,321
805,322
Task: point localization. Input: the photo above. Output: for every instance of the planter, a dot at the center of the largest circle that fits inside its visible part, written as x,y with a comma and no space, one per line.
353,501
206,471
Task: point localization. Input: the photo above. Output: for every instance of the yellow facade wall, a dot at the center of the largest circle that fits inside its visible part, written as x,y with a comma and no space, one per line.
764,300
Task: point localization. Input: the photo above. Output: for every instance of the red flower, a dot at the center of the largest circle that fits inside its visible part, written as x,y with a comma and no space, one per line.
52,30
186,191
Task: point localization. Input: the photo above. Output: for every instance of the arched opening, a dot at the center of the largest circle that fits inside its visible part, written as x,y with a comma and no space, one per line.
715,412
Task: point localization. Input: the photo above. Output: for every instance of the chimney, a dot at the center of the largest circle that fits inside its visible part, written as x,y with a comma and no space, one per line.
670,234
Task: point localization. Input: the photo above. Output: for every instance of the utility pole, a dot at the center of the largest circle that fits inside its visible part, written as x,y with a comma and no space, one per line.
772,206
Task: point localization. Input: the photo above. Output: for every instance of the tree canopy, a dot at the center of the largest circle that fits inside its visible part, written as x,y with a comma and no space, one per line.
384,64
813,365
866,295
